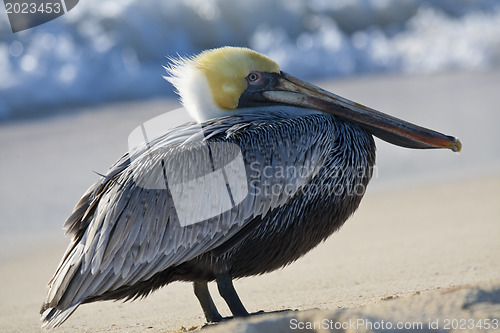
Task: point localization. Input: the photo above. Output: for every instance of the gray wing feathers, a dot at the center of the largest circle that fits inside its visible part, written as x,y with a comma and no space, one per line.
130,233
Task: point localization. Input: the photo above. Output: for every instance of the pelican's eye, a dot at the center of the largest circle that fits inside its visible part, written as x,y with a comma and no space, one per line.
254,77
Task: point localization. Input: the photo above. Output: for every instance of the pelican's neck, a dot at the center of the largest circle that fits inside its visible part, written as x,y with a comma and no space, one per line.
197,98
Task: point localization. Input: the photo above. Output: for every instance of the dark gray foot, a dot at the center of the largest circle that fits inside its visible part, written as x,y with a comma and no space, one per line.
227,291
207,304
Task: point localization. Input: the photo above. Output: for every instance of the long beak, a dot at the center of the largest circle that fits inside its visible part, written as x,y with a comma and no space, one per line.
293,91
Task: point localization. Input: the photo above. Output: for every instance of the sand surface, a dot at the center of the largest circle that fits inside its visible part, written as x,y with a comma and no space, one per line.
425,238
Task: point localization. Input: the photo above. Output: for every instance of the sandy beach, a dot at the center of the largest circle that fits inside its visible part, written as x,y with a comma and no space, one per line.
424,244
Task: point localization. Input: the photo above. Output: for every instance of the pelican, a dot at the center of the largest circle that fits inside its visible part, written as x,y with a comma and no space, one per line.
306,156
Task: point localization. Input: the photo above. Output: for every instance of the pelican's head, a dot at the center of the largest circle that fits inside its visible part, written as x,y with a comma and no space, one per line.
210,85
223,81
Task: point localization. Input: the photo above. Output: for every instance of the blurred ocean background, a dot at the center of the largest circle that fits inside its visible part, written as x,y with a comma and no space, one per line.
106,50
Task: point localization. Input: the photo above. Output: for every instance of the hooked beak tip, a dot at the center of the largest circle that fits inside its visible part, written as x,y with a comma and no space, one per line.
457,146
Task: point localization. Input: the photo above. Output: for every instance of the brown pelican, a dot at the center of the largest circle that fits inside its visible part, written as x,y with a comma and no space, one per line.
306,156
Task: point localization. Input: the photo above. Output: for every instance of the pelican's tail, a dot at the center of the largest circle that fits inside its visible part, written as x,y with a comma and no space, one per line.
58,305
53,317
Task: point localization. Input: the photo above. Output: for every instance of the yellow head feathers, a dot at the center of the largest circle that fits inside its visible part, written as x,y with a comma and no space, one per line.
226,69
211,83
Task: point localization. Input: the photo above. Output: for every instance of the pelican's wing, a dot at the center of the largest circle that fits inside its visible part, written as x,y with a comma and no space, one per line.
178,197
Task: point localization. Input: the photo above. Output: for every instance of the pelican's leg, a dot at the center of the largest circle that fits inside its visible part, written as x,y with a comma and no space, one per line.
227,291
207,304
